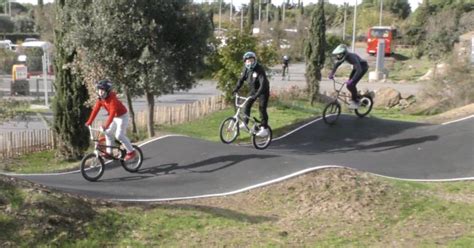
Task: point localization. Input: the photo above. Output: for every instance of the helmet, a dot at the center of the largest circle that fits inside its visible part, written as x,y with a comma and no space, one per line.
250,55
285,57
340,52
105,85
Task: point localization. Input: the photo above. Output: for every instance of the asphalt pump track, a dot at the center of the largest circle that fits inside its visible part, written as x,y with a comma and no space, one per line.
180,167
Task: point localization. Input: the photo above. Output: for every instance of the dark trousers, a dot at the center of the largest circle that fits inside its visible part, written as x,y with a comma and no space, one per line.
352,87
263,100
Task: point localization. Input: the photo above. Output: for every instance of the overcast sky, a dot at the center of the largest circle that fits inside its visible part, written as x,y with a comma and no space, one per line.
413,3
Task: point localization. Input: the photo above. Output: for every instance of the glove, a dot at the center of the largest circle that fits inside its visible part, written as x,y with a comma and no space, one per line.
102,129
331,76
349,82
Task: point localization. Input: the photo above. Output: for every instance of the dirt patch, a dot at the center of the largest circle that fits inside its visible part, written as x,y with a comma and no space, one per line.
452,115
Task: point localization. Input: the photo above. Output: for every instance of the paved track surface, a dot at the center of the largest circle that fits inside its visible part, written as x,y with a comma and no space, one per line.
181,167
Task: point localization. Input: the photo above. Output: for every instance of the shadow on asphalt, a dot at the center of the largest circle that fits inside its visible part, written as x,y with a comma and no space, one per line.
216,163
350,133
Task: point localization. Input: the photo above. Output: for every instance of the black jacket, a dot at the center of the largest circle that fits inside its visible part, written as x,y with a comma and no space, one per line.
355,61
257,80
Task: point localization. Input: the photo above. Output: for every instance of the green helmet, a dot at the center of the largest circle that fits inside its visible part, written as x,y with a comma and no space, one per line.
340,52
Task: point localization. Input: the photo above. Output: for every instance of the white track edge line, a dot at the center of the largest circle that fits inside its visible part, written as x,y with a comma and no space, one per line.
276,180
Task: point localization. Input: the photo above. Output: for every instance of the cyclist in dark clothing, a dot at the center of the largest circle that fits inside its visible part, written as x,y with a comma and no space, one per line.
255,75
285,63
359,68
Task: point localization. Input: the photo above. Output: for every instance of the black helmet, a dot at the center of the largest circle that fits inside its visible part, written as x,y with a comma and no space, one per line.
250,55
105,85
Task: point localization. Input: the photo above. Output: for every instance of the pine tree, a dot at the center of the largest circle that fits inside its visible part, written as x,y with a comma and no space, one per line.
70,113
315,51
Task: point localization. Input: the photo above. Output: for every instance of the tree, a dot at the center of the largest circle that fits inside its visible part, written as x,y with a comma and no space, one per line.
315,51
230,59
250,16
68,106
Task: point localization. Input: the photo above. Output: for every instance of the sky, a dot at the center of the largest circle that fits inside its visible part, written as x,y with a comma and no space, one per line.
413,3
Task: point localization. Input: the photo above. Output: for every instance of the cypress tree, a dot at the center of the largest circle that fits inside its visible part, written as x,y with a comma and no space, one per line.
315,51
250,16
70,113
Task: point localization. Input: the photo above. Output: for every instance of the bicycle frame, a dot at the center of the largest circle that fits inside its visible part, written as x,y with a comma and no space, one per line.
98,147
240,115
340,94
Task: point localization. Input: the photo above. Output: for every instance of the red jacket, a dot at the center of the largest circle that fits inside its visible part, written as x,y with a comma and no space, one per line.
113,106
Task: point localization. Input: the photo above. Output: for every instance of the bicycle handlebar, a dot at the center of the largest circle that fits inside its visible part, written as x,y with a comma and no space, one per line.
237,97
94,129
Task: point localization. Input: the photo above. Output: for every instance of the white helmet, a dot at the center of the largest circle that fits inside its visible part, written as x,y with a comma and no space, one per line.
340,52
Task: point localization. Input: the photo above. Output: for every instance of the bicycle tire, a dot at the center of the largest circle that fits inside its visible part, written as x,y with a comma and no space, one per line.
331,113
229,126
135,164
366,103
265,141
90,169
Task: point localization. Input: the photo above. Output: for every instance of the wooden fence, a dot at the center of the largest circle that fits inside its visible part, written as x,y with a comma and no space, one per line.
17,143
171,115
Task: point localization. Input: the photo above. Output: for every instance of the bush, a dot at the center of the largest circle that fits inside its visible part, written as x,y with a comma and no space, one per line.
7,60
452,89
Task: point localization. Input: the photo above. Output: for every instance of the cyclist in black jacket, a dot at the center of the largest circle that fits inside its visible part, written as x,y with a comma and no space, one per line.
255,75
359,68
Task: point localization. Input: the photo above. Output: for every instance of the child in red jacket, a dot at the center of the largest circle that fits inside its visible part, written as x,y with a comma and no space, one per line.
117,121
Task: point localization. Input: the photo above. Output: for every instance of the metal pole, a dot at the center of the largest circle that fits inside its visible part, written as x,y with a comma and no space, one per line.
9,8
241,18
268,6
220,12
231,8
283,13
345,18
354,27
381,10
259,12
45,80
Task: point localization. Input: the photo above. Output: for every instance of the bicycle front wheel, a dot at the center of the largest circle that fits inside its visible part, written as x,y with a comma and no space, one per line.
331,113
262,142
229,130
365,106
92,167
134,164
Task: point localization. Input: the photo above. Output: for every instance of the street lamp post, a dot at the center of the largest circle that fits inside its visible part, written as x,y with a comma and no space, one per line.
381,10
354,27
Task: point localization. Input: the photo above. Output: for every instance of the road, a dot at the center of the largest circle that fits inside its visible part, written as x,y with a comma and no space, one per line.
203,89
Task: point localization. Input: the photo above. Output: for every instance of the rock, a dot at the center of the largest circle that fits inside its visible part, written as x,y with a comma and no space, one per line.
387,97
440,70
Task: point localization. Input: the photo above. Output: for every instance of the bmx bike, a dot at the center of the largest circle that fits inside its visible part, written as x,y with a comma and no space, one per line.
333,109
93,164
230,127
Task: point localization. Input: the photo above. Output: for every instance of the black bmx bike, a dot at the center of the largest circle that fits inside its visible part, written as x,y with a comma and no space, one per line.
332,111
93,164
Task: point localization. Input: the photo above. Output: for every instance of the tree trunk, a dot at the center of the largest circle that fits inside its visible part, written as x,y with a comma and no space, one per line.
131,111
150,98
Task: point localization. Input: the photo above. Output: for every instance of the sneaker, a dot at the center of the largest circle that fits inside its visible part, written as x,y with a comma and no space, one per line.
242,126
353,104
130,155
262,132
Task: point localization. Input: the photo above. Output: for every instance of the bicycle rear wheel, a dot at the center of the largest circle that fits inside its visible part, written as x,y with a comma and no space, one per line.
331,112
229,130
134,164
365,106
262,142
92,167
